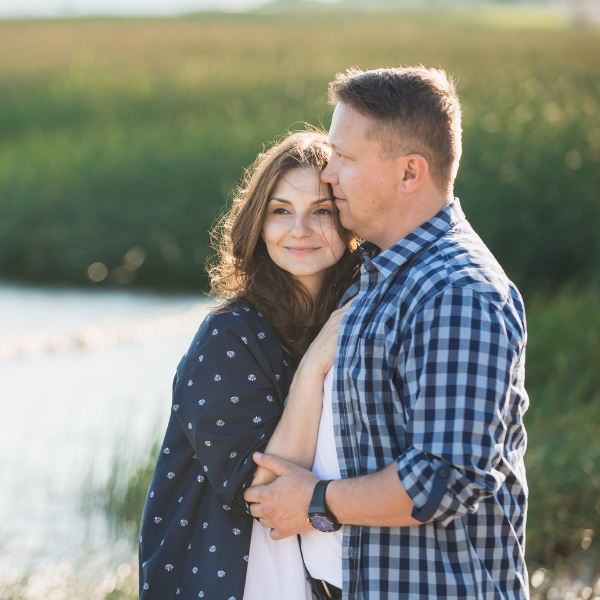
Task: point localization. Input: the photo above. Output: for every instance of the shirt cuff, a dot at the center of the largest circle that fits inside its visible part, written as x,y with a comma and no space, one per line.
427,480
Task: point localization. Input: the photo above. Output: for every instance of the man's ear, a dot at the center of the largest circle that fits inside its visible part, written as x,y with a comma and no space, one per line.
415,169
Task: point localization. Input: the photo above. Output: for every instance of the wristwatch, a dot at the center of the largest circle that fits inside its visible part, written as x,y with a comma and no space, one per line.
318,515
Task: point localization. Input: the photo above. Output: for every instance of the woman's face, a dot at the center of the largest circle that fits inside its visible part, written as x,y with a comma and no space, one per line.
299,229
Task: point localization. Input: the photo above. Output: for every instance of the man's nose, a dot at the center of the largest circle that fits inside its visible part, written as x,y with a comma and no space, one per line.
329,175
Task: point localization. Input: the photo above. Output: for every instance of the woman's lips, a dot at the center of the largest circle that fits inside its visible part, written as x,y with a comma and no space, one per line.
299,250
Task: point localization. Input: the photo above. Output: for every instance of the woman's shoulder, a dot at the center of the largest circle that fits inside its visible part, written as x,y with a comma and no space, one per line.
237,316
237,322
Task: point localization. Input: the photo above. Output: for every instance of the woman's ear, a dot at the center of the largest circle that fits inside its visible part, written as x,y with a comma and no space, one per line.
415,169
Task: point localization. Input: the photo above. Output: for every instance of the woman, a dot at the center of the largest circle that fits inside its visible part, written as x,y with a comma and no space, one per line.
283,263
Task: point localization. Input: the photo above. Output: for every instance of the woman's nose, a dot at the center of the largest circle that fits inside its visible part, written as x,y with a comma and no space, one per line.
300,226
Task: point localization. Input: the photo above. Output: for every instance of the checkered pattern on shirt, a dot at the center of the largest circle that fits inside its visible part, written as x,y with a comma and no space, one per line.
430,374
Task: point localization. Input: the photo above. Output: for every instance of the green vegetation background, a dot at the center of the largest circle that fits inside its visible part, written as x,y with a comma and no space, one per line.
121,134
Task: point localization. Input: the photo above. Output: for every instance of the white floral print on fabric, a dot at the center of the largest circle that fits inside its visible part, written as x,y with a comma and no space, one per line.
158,519
230,355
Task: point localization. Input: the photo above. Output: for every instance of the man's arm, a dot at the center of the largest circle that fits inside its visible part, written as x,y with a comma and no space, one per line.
457,361
376,500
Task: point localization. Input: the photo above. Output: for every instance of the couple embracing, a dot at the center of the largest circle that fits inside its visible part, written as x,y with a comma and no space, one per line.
359,391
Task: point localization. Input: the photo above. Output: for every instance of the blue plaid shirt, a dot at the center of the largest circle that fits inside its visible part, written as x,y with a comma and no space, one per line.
430,374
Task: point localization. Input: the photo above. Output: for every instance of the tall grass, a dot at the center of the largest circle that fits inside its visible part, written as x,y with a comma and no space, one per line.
121,134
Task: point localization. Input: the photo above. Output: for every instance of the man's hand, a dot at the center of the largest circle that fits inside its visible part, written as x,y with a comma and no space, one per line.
283,504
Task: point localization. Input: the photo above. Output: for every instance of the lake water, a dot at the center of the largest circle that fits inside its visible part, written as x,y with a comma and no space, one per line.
81,373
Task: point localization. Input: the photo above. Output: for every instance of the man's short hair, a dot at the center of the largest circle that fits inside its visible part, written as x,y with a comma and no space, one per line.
414,110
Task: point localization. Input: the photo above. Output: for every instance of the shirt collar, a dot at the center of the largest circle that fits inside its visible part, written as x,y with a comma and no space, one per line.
394,257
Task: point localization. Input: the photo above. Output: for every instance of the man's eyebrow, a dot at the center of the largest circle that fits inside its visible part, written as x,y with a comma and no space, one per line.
283,201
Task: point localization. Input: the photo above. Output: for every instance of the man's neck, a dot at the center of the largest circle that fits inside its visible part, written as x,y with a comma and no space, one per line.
413,215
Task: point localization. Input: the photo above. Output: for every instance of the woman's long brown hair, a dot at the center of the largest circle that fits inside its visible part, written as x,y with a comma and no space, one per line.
242,269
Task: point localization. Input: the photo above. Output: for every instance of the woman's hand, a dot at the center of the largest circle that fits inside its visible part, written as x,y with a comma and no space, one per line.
321,353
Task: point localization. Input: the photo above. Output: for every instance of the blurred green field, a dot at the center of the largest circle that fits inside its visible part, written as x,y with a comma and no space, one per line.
121,134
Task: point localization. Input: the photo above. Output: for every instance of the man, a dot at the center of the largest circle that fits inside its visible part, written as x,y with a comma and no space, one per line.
428,391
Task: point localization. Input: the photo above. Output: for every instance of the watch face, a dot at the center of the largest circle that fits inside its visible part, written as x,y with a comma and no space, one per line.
321,522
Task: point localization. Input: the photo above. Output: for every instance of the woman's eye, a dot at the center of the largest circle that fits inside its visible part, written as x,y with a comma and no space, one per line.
322,211
280,211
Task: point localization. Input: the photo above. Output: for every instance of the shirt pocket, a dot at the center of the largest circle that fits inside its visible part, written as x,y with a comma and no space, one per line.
372,378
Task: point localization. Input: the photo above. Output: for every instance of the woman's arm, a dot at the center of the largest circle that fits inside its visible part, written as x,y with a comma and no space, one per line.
295,437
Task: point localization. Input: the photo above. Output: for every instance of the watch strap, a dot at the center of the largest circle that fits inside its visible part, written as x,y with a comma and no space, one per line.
317,503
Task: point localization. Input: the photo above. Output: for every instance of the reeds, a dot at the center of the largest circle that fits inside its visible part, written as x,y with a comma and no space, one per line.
121,135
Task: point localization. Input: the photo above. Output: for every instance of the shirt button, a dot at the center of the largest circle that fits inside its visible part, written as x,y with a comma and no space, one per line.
443,473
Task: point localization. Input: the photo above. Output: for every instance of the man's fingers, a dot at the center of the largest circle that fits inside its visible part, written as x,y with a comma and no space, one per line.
276,535
256,510
276,465
266,523
253,494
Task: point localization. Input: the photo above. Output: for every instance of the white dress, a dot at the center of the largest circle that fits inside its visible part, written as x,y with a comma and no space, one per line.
276,569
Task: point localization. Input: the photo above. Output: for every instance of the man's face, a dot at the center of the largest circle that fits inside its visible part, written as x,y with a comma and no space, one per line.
365,184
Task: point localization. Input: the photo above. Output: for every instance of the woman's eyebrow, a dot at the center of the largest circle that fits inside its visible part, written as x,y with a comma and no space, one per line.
283,201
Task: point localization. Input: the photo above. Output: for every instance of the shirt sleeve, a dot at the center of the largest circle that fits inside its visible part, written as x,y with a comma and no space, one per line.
228,399
456,361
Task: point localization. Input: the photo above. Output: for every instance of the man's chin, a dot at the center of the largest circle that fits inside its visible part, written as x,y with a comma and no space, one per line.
345,220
